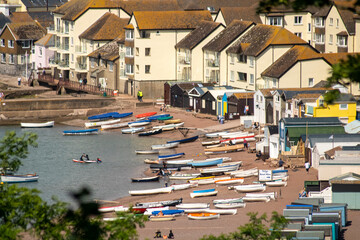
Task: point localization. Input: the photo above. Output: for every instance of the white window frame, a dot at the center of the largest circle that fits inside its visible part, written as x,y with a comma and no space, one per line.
342,41
2,42
343,106
111,66
213,105
276,21
319,38
298,20
129,52
92,64
319,22
10,43
232,59
129,34
251,62
129,69
331,37
25,44
251,79
11,59
337,23
147,52
311,82
147,69
203,103
274,82
299,34
331,21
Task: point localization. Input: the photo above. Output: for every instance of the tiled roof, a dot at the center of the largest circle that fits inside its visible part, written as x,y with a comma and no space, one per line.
227,36
261,36
16,17
3,20
345,97
44,18
244,95
322,12
204,29
170,20
109,51
40,3
289,9
47,40
334,58
289,59
214,5
307,96
27,31
240,13
313,121
107,28
129,26
267,92
186,86
348,18
75,8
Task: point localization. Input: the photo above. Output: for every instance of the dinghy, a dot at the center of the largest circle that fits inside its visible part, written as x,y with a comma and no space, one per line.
184,161
37,125
149,211
183,176
146,179
207,162
276,184
102,116
156,117
162,218
227,148
256,199
160,203
204,193
207,143
222,211
151,191
132,130
151,161
173,121
160,119
171,156
185,140
192,205
209,180
215,134
229,200
114,126
177,187
175,125
229,181
203,216
139,123
146,151
174,167
117,208
145,114
165,146
170,212
99,124
84,161
80,132
122,115
271,195
149,133
220,170
245,173
19,178
230,205
249,188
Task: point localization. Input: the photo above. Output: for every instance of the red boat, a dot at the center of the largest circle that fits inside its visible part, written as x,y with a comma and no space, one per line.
145,114
139,209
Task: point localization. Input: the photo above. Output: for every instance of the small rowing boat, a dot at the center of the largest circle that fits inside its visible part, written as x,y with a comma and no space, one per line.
160,203
193,206
132,130
183,161
227,148
207,180
162,218
102,116
174,167
151,161
84,161
37,125
229,181
222,211
175,125
173,121
209,143
146,151
139,123
150,210
116,208
156,117
204,193
207,162
151,191
169,212
151,132
165,146
271,195
256,199
215,134
19,178
183,176
245,173
249,188
229,200
164,118
230,205
276,184
171,156
220,170
148,114
177,187
185,140
99,124
114,126
203,216
80,132
146,179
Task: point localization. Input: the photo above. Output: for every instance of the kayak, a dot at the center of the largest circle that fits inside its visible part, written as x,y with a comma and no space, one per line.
84,161
145,114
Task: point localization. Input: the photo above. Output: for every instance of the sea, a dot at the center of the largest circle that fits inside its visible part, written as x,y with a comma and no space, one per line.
59,176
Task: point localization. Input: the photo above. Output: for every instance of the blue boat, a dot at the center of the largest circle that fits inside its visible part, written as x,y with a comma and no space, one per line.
280,171
206,163
204,190
185,140
121,115
140,121
81,132
177,155
169,212
152,118
103,116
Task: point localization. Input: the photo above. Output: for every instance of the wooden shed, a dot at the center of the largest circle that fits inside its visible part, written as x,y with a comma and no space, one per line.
238,103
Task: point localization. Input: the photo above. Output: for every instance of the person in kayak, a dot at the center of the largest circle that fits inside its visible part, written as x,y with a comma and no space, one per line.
98,160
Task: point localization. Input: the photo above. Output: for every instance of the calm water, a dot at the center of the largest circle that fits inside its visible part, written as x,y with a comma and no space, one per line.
52,160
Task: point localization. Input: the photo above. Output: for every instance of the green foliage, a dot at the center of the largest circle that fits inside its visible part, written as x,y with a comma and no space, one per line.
256,228
13,149
297,5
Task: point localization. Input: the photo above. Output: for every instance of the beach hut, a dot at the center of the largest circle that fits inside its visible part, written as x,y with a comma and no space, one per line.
345,189
240,104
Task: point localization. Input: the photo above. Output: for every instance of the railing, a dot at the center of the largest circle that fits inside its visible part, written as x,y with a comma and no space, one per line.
80,49
81,66
184,60
212,63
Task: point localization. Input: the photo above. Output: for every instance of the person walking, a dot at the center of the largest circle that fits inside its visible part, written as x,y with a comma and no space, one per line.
19,81
307,166
140,95
245,144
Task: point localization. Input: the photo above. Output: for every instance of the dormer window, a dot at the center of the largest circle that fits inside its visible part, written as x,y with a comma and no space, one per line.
319,22
26,44
276,21
144,34
129,34
342,41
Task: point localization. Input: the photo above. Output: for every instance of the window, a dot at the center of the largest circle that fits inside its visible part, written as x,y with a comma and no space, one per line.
147,68
331,39
137,68
137,51
251,79
11,43
11,58
3,57
66,29
311,82
298,20
275,21
298,34
58,24
309,27
274,83
242,76
144,34
319,22
251,62
331,21
342,41
319,38
111,66
147,51
257,98
337,23
40,51
72,57
72,41
2,42
213,105
231,58
72,27
241,58
277,98
129,52
129,35
261,98
232,76
129,69
343,106
157,33
92,63
321,102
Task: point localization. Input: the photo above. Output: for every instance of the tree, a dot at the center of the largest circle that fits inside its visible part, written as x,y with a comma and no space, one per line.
13,149
256,228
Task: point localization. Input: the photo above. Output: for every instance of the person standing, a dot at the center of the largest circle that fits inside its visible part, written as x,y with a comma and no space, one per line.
307,166
140,95
19,81
245,144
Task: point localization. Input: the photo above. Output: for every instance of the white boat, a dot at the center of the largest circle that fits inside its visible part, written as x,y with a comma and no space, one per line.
203,216
165,146
256,199
175,125
192,205
184,161
203,194
250,138
162,218
177,187
225,164
19,178
151,161
132,130
117,208
271,195
214,146
249,188
218,170
101,123
230,205
234,134
183,176
147,151
222,211
215,134
151,191
37,125
114,126
138,124
207,143
228,200
276,184
245,173
149,211
229,181
168,128
204,181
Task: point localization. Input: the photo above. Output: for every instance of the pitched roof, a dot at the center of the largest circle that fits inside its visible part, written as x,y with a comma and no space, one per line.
26,31
44,18
267,92
214,5
3,20
345,97
47,40
261,36
16,17
346,178
290,58
302,96
106,28
244,95
348,18
334,58
240,13
170,20
228,35
186,86
204,29
289,93
109,51
40,3
312,121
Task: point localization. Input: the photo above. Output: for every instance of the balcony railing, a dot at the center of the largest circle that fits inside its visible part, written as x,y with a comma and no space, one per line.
81,66
64,63
54,61
80,49
212,63
184,60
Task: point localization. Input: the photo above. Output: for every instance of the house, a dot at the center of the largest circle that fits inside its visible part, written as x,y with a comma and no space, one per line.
37,5
41,52
215,57
254,52
226,15
298,102
344,107
345,189
240,104
292,128
3,20
263,106
16,42
265,144
189,51
148,36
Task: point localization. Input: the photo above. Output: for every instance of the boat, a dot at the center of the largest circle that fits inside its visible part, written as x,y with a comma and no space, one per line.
220,170
162,218
146,179
165,146
215,134
122,115
174,167
233,134
245,173
116,208
19,178
81,132
214,146
256,199
165,118
132,130
207,143
168,128
229,181
99,124
203,216
205,180
102,116
156,117
271,195
151,161
173,121
151,132
227,148
207,162
147,151
114,126
182,161
193,206
204,193
276,184
150,210
139,123
160,203
169,212
148,114
177,187
185,140
84,161
241,140
230,205
249,188
183,176
222,211
37,125
171,156
175,125
151,191
228,200
227,164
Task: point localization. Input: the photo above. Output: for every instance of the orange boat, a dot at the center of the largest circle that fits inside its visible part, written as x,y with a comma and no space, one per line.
203,216
145,114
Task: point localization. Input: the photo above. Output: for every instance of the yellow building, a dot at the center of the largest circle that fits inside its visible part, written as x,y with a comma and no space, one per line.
344,108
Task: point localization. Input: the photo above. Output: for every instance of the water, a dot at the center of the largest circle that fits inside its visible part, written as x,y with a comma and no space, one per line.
59,175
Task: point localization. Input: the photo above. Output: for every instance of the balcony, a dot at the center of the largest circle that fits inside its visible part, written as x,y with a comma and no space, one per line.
212,63
63,48
51,29
81,50
81,67
64,64
184,60
53,61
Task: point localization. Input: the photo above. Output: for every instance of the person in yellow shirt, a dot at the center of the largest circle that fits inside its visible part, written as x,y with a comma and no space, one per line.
140,95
